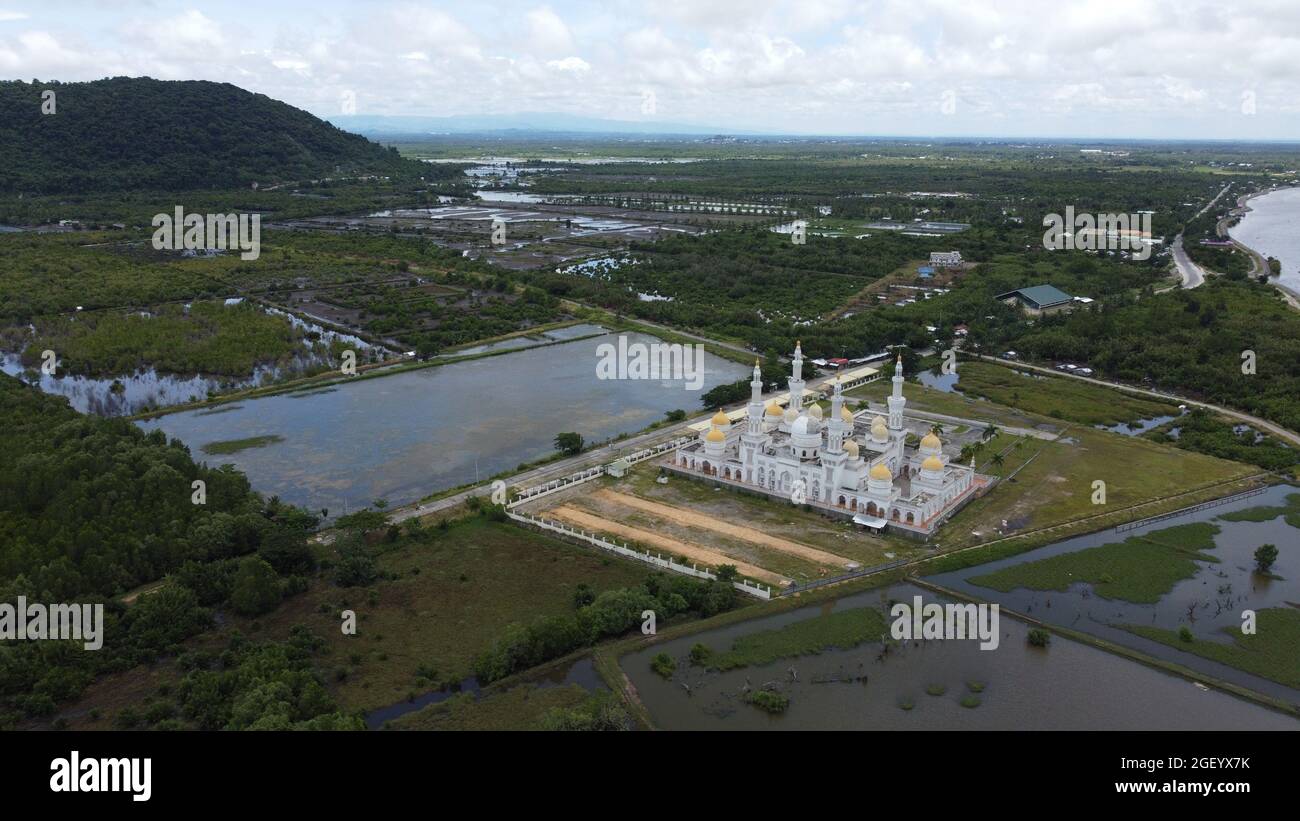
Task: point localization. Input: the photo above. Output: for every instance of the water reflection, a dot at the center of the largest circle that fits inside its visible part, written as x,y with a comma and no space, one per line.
1208,603
406,435
1065,686
147,389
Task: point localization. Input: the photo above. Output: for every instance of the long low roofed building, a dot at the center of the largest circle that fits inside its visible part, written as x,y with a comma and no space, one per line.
1038,299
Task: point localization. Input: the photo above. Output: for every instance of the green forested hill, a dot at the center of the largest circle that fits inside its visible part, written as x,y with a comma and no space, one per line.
138,133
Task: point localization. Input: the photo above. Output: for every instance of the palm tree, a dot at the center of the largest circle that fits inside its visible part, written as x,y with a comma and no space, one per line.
990,431
997,459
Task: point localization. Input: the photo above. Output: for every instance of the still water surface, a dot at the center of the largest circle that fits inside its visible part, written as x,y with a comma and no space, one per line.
1065,686
403,436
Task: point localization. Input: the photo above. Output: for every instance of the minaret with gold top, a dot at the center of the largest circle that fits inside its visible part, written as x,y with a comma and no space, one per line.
796,380
896,400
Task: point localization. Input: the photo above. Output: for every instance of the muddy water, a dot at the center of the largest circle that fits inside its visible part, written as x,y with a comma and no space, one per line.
403,436
1064,686
1207,603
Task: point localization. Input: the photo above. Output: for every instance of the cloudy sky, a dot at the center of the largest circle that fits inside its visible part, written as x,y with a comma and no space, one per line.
1089,68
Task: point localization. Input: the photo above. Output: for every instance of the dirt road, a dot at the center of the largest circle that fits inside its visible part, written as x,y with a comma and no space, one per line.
693,552
692,519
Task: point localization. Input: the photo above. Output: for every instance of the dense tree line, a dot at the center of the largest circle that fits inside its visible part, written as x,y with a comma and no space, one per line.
91,508
612,613
1189,341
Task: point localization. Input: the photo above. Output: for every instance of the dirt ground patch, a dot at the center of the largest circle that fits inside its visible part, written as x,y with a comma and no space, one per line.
686,550
692,519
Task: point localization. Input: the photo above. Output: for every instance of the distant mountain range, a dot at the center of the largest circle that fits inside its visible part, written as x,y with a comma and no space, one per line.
124,133
377,125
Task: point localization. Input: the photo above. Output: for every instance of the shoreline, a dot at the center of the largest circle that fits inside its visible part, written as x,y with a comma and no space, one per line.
1291,295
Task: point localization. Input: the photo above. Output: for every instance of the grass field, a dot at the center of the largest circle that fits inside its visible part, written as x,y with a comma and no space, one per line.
1140,569
1057,485
840,629
1272,653
1060,398
452,594
932,400
1004,396
445,596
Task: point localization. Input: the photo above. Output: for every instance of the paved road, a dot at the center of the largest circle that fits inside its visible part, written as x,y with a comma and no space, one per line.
1276,430
1190,272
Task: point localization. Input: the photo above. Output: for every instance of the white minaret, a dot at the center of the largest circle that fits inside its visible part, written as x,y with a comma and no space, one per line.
796,380
896,400
754,416
835,426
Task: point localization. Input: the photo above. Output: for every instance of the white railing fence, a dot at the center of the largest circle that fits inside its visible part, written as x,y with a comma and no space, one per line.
744,585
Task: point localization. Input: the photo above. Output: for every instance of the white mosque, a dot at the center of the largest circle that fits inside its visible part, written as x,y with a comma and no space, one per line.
802,456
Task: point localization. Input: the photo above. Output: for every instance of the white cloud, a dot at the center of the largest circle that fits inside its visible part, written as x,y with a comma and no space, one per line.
547,33
572,64
1119,66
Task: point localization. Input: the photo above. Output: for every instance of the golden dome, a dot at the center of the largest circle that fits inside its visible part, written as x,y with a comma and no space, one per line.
715,435
720,419
931,441
932,463
851,448
790,415
772,409
846,415
815,411
878,424
881,472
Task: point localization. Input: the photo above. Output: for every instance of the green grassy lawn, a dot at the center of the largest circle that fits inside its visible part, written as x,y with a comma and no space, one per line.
840,629
1060,398
1272,653
1057,486
1140,569
931,400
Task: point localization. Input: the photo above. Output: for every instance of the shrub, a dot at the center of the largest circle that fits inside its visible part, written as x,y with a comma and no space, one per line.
256,588
663,664
768,701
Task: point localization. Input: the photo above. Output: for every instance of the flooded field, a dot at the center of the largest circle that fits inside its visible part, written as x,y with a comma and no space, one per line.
127,394
932,685
1209,604
406,435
